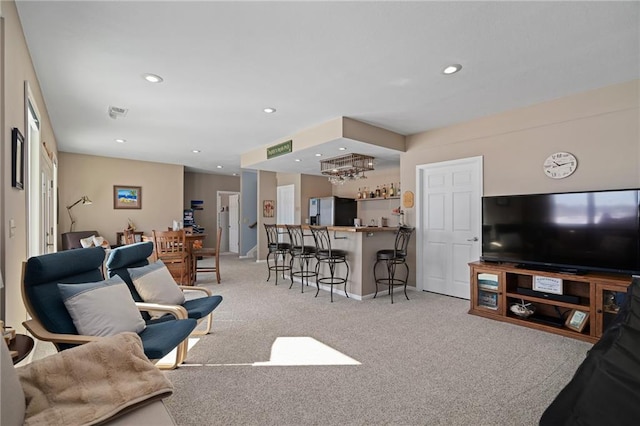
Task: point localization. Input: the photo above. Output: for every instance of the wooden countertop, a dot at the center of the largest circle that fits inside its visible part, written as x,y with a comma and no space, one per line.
363,228
355,228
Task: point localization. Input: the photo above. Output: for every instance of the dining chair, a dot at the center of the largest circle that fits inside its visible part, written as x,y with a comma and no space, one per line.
208,252
129,236
171,248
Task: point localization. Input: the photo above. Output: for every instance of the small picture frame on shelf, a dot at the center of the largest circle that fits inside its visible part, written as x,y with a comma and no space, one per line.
577,320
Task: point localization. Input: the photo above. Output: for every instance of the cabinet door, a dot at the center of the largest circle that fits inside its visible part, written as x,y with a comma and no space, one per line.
487,291
609,300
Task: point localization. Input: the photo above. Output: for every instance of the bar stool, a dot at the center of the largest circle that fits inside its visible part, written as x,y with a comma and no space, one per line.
392,258
331,257
278,249
303,254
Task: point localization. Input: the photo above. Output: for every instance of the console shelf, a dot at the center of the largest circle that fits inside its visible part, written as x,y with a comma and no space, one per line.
595,297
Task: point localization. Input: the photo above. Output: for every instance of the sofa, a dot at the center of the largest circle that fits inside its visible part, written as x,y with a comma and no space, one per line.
71,240
605,389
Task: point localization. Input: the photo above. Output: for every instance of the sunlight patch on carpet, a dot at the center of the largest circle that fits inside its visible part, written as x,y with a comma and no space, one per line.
292,351
304,351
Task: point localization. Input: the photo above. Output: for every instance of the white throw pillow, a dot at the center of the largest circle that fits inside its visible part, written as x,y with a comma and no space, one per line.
100,242
102,308
155,284
87,242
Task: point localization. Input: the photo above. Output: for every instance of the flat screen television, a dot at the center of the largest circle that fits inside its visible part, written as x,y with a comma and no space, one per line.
574,232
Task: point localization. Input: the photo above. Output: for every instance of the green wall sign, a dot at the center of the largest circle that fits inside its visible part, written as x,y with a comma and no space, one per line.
280,149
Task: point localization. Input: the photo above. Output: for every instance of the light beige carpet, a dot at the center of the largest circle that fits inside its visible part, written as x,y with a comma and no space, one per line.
422,362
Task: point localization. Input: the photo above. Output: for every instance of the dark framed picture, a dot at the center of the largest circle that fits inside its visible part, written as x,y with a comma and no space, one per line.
127,197
17,159
268,208
577,320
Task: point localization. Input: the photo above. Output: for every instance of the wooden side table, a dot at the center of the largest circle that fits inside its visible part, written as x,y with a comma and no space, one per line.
22,345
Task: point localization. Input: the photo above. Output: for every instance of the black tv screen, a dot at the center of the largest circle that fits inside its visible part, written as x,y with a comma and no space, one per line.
573,232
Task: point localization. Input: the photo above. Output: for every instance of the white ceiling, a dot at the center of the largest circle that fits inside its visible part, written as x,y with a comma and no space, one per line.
378,62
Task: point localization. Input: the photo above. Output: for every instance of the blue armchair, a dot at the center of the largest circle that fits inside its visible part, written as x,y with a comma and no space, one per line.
51,321
136,255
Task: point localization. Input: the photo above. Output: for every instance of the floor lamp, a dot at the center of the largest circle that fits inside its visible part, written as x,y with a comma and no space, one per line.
84,200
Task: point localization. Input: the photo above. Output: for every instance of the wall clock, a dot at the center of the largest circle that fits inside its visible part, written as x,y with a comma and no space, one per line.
560,165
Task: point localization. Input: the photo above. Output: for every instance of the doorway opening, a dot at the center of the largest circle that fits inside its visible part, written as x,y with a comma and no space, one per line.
228,218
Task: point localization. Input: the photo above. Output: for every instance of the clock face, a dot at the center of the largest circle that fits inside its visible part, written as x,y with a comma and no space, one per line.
560,165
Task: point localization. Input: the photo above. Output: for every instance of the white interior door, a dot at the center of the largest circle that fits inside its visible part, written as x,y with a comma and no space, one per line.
285,205
234,223
47,205
449,215
285,208
37,212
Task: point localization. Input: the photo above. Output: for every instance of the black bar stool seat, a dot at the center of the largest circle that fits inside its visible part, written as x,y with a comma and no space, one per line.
303,254
392,258
325,255
279,250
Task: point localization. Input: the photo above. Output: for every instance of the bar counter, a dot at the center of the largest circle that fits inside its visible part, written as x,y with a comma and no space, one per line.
361,244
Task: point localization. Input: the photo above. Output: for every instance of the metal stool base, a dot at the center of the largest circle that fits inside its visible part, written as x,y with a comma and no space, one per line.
331,281
391,281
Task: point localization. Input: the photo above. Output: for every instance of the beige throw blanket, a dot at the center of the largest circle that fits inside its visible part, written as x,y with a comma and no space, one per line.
91,383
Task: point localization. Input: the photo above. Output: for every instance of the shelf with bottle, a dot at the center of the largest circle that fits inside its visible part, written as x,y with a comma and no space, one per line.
379,193
377,199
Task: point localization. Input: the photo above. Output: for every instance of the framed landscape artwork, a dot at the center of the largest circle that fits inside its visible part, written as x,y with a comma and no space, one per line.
127,197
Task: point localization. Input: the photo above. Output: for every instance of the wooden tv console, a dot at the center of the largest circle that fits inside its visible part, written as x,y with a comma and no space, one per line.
496,287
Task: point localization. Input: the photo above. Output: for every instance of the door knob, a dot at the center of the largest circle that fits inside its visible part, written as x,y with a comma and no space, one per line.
473,239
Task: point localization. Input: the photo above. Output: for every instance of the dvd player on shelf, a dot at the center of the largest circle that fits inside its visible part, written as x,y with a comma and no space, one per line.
557,297
547,320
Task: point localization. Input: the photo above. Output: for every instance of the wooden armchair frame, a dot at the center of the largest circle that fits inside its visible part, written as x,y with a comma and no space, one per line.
61,341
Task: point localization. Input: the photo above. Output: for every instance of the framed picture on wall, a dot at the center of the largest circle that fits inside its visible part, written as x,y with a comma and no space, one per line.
17,159
268,208
127,197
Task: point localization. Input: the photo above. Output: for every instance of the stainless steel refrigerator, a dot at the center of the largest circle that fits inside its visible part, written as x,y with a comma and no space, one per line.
332,211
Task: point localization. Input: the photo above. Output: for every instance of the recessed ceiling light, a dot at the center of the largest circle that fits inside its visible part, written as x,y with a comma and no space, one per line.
269,110
342,148
297,160
235,174
452,69
196,151
218,167
318,155
121,140
153,78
